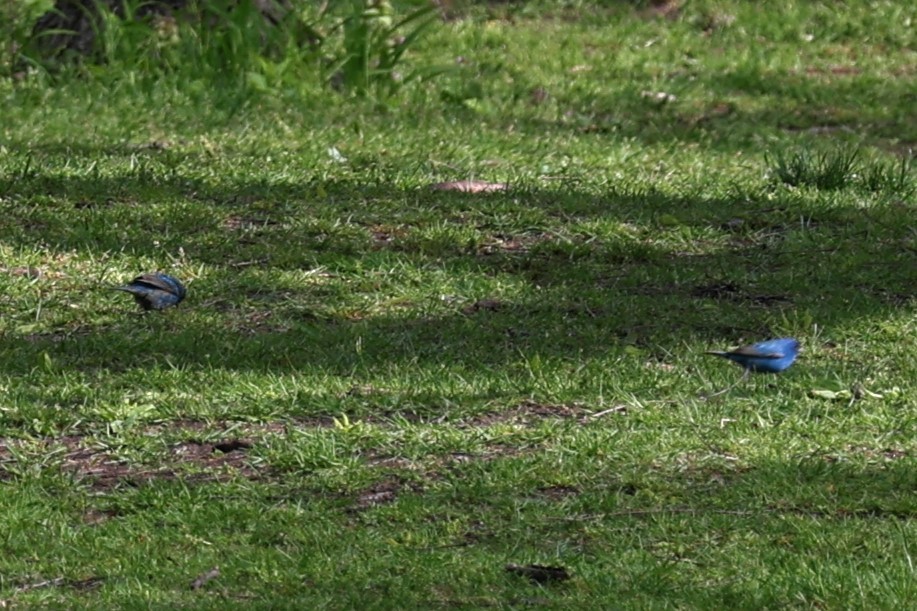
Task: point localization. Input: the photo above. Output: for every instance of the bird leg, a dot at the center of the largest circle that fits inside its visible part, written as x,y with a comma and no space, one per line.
730,387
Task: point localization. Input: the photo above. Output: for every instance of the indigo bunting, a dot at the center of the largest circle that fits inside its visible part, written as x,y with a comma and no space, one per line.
155,291
771,356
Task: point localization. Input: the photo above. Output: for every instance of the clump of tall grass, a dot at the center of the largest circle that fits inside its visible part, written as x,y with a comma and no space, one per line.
359,47
827,170
839,169
369,53
16,19
881,176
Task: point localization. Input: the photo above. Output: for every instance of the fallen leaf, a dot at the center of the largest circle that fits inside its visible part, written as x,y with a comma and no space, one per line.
538,95
470,186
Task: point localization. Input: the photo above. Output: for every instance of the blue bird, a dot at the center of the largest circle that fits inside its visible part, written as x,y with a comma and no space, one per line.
771,356
155,291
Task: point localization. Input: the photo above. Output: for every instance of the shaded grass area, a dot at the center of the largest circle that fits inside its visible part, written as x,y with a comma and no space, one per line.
377,395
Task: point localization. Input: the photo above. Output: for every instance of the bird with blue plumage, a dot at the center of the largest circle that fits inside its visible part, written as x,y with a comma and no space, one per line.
770,356
155,291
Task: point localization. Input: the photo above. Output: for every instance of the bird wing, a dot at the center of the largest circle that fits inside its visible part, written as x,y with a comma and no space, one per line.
757,353
155,282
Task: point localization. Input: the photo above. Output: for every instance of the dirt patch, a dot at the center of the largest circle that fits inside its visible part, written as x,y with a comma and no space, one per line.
557,492
871,454
489,305
101,469
384,236
230,429
199,452
733,292
56,337
511,244
32,273
97,516
217,455
90,583
833,71
247,223
664,9
382,493
470,186
887,296
257,322
529,412
389,461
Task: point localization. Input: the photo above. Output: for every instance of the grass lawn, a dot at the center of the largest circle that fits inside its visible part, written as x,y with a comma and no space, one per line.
378,394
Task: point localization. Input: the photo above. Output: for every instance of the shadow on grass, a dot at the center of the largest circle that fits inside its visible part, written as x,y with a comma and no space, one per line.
725,268
734,110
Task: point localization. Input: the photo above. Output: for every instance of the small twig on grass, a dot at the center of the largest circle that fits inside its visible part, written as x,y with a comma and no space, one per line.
617,409
437,162
249,263
202,579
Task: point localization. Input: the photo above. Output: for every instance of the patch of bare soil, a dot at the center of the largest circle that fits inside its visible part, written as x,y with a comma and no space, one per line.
382,492
191,461
530,412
